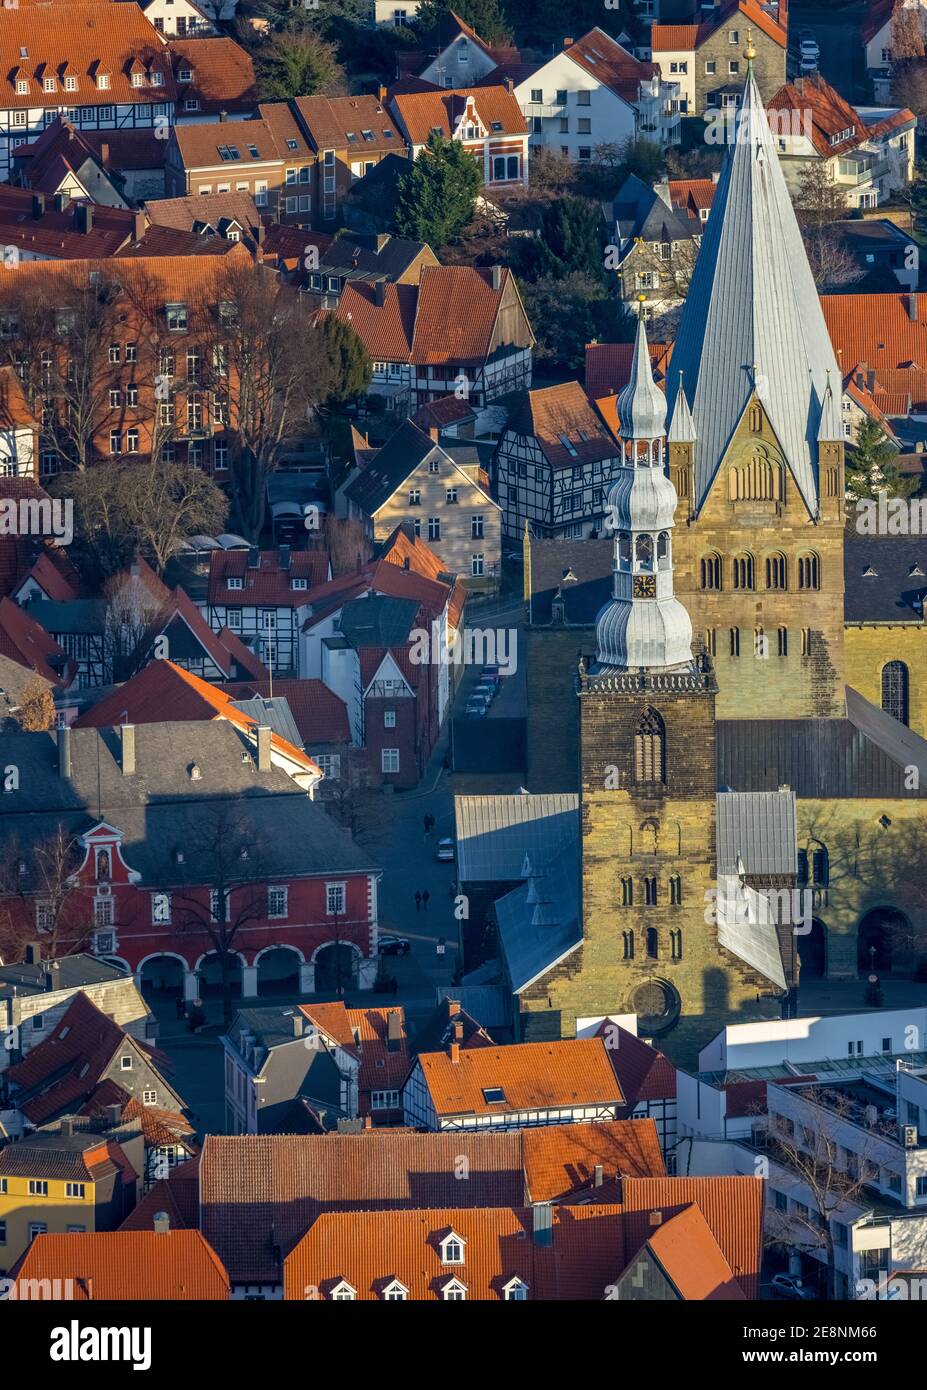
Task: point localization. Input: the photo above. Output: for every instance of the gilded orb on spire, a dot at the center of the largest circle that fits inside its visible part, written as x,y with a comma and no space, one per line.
749,51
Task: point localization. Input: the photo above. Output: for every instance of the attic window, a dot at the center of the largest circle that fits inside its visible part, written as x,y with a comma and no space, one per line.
436,130
367,134
388,134
567,445
185,75
49,84
22,86
253,151
870,573
103,81
493,1095
300,583
352,135
228,152
70,84
915,570
235,582
452,1249
496,125
291,145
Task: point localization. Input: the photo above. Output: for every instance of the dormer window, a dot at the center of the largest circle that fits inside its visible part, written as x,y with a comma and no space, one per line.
343,1293
176,318
300,583
22,86
70,84
157,79
452,1249
454,1291
515,1291
103,81
235,582
394,1292
49,84
185,75
138,79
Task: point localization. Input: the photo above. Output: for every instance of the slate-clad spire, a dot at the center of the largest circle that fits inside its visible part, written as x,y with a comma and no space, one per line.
641,406
752,320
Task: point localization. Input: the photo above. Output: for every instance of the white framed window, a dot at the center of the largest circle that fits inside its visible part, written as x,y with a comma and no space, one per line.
395,1292
335,899
103,912
125,1062
389,759
452,1249
477,565
74,1189
454,1291
343,1293
22,88
38,1187
160,908
103,82
384,1100
70,84
37,1228
104,943
177,321
389,719
277,902
515,1291
149,1097
235,581
330,765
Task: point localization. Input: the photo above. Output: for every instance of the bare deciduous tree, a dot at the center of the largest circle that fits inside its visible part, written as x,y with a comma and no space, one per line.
40,899
831,263
133,615
35,710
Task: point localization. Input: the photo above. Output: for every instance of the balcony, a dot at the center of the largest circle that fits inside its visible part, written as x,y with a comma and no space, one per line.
544,108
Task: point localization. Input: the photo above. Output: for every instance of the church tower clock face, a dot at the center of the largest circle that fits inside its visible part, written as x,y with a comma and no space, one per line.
645,586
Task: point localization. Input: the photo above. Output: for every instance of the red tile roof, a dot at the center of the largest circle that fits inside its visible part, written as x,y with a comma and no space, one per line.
732,1207
329,121
532,1076
55,575
442,413
881,343
831,114
15,550
686,37
456,314
269,583
691,1258
223,75
561,1160
554,414
692,194
128,1266
364,1033
604,59
386,329
56,235
644,1073
24,640
177,1195
320,715
420,113
608,366
369,1250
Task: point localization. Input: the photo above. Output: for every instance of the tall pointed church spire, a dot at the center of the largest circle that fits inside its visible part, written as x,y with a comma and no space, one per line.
644,625
752,324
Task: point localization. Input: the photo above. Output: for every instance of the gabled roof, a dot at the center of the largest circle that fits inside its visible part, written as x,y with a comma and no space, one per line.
386,327
421,113
371,256
378,621
63,1069
691,1258
878,331
405,450
199,145
532,1076
686,37
26,641
561,1160
602,58
830,114
196,212
223,74
878,14
643,1072
442,413
751,323
608,366
320,715
49,1153
456,314
365,1034
692,194
639,211
563,424
54,574
128,1266
339,123
269,582
731,1206
177,1196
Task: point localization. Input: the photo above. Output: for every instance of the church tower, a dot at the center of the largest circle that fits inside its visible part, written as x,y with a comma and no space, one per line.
755,446
648,779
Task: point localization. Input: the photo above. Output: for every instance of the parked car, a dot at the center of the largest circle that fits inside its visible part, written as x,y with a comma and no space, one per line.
393,945
490,679
808,64
445,851
491,672
484,692
476,709
806,39
790,1286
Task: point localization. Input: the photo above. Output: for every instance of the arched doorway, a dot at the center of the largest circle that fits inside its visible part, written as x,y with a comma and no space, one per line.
161,975
209,971
812,951
883,942
336,968
278,970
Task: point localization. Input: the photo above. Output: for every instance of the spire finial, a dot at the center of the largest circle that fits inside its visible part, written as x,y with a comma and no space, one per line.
750,52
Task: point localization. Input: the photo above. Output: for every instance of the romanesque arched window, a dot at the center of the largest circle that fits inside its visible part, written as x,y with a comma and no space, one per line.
627,892
711,574
647,840
782,641
653,943
895,690
676,943
649,754
663,550
628,937
734,636
777,574
820,866
809,572
744,577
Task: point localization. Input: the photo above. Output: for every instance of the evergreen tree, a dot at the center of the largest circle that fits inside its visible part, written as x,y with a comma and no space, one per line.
351,366
871,466
486,17
568,242
297,63
436,194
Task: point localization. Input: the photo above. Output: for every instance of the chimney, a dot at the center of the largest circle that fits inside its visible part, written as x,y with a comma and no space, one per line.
568,43
433,433
598,1175
33,952
509,84
655,1219
912,307
161,1222
223,116
800,86
497,278
393,1030
139,225
453,1008
543,1224
260,233
104,154
298,1022
66,1125
64,751
113,1116
453,1051
381,95
38,206
128,749
263,747
716,175
86,1283
457,1029
83,217
379,291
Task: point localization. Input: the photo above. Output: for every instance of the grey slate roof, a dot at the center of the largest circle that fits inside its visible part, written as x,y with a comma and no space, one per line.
378,620
160,809
15,679
639,211
581,570
760,829
402,453
354,255
67,972
84,615
885,578
752,320
496,833
864,755
276,713
538,923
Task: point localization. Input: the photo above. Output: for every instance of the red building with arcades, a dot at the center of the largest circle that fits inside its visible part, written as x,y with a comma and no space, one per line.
163,846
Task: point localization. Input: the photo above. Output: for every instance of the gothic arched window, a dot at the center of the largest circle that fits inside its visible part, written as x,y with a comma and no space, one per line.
743,572
628,945
711,575
809,575
649,755
820,866
895,690
624,549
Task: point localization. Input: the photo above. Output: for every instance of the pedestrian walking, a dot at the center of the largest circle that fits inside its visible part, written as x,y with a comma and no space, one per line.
425,896
427,824
418,901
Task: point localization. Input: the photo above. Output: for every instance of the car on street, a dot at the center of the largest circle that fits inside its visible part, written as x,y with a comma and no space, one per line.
807,43
487,692
388,945
476,708
445,851
808,64
790,1286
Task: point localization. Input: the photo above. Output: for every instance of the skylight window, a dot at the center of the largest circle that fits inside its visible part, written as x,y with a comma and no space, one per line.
367,134
497,125
352,136
388,134
567,445
493,1095
252,150
291,145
